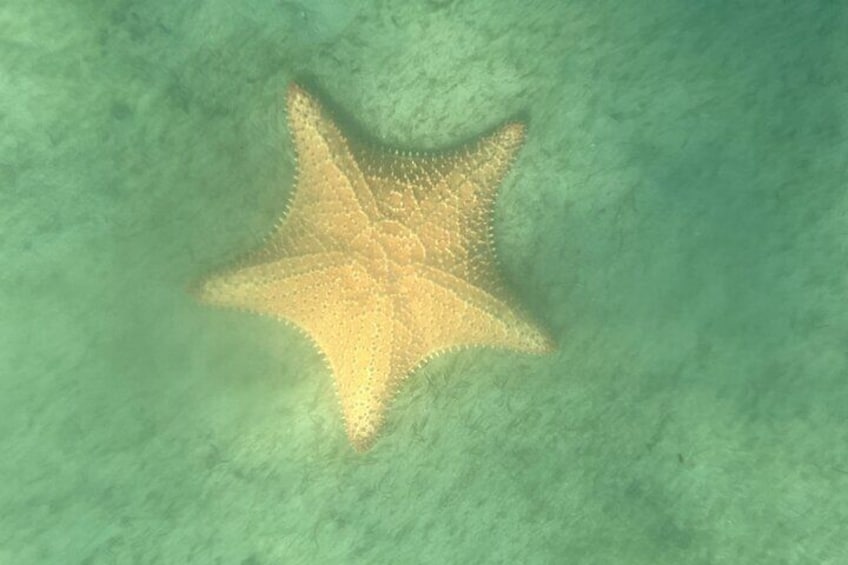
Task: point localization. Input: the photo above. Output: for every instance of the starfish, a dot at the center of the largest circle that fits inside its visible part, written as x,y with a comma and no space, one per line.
384,259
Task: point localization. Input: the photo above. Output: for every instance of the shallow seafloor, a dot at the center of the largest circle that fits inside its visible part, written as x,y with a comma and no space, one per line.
678,218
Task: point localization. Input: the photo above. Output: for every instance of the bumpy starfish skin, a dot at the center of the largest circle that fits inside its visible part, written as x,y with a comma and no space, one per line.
383,259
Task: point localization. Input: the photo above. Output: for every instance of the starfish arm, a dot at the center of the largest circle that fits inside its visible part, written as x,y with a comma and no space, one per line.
465,194
336,304
359,350
458,213
330,203
487,161
447,200
448,313
289,287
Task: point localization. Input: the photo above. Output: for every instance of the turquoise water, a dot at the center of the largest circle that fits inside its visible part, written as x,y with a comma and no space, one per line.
677,218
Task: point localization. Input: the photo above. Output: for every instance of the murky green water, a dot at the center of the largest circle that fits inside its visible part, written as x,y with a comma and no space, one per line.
678,218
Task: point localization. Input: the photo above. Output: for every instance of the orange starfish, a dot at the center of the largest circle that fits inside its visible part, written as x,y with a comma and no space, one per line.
383,259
